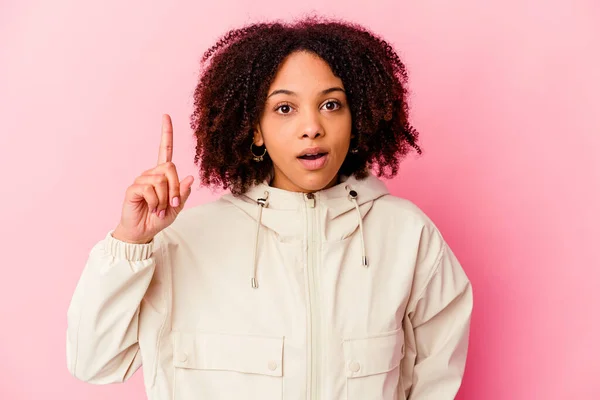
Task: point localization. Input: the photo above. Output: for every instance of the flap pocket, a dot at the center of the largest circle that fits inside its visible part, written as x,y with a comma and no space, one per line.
218,351
373,355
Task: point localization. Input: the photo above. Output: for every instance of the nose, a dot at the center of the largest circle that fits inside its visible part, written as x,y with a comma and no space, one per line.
311,126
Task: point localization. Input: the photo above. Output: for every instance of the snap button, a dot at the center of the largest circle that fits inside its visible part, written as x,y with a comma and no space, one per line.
183,357
354,366
272,365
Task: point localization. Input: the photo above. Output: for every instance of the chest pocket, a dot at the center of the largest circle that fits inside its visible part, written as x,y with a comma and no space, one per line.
225,366
372,366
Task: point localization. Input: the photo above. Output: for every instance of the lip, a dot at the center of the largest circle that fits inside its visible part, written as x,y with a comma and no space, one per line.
313,150
313,165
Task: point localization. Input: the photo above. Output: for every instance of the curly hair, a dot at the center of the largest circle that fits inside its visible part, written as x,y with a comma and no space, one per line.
238,71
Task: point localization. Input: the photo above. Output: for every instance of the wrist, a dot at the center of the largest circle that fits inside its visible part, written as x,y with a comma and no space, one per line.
118,234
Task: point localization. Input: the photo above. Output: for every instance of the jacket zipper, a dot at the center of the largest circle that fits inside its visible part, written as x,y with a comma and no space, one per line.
313,298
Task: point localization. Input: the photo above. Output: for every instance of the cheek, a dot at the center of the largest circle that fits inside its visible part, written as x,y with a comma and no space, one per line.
278,134
342,135
340,125
276,143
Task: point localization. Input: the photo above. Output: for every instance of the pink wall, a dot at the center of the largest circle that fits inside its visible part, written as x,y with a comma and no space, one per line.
505,95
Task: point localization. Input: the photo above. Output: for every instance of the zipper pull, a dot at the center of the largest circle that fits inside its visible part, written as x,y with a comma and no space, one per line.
310,197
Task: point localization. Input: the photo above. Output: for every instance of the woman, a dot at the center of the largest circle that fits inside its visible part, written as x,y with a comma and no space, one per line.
307,281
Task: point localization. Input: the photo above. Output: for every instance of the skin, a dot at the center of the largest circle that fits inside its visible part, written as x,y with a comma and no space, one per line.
310,114
156,197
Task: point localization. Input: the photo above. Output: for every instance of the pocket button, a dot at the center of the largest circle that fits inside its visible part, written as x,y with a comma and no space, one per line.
272,365
354,366
183,357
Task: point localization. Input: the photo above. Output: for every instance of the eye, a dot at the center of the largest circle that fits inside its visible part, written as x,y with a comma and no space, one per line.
285,108
331,104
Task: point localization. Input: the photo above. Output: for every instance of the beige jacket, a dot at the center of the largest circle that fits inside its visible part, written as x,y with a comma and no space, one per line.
347,294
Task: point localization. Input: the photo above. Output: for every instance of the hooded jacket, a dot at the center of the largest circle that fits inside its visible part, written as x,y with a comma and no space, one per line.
348,293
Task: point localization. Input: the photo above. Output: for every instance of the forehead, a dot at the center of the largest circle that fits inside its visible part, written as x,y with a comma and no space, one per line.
304,72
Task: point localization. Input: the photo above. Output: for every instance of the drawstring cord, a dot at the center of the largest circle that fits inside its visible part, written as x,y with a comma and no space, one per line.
352,196
262,204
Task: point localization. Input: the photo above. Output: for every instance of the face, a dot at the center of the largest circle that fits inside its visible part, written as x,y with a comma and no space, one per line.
306,124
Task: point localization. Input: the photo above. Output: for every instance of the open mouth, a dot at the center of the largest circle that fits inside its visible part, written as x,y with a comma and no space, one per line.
313,156
313,162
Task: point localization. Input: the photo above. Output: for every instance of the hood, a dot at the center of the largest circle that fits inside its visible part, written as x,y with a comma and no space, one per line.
341,209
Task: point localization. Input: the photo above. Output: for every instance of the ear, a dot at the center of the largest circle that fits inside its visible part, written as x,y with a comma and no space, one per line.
258,137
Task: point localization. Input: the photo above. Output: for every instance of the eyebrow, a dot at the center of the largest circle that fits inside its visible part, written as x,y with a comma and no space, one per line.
326,91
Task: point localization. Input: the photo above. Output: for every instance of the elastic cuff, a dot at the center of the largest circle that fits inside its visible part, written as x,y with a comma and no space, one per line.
127,251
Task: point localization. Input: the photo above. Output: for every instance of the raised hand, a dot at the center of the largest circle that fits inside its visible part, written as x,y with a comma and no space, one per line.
156,197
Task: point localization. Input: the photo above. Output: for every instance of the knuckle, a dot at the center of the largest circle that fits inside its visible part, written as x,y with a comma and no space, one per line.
159,179
147,188
167,166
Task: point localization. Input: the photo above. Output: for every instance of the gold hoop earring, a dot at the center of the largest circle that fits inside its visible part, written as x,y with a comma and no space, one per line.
257,158
353,150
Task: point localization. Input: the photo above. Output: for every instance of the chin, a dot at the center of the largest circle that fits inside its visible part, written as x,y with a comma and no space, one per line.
315,182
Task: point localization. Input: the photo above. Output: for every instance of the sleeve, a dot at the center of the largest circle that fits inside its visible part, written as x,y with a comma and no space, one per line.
440,321
103,316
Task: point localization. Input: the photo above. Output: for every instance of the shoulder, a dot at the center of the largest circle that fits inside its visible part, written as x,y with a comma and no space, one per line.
399,208
208,209
202,219
406,218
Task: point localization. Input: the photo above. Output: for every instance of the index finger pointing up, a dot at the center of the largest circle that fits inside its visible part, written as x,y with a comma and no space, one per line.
165,153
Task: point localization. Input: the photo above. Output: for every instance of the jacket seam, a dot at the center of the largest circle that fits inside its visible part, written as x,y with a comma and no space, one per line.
164,322
76,357
401,381
74,362
434,271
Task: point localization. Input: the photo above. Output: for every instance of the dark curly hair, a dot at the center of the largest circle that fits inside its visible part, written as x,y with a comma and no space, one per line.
232,91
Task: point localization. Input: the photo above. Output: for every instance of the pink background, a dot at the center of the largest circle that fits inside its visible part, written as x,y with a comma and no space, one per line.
505,94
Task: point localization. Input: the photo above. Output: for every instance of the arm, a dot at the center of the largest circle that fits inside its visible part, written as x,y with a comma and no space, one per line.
102,333
440,320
